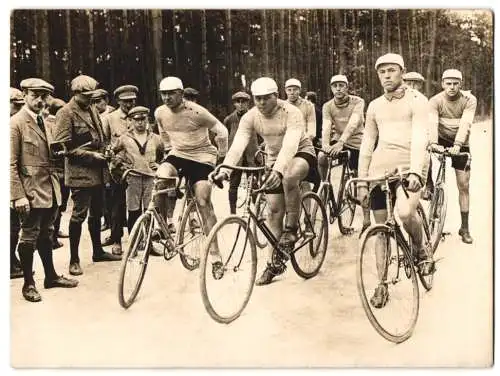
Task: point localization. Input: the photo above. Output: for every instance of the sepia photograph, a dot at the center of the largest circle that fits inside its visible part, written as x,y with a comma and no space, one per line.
251,187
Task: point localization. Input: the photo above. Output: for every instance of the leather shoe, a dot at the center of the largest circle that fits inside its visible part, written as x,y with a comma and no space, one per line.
107,241
117,249
62,234
31,294
466,238
75,269
105,256
60,281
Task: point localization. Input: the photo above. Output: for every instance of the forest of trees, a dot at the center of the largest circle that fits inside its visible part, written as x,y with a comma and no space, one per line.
221,51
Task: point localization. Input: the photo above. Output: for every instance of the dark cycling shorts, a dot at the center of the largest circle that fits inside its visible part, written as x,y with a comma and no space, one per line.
459,162
193,171
312,175
354,158
377,196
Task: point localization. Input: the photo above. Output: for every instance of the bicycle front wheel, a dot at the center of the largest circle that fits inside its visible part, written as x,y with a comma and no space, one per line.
191,237
437,215
382,262
313,229
135,260
227,269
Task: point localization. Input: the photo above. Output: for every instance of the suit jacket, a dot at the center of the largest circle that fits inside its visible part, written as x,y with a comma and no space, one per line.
32,168
75,127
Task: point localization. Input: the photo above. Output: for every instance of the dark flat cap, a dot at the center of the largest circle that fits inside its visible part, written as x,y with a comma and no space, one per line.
99,93
190,92
36,84
240,95
126,92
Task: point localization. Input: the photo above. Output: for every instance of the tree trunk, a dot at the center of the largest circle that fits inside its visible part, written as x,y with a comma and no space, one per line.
308,53
157,31
110,46
175,43
265,45
91,43
400,45
205,89
42,36
229,53
289,45
340,41
282,44
432,52
384,32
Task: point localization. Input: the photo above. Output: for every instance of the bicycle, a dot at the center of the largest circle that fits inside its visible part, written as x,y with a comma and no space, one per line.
235,234
151,228
439,200
394,254
342,205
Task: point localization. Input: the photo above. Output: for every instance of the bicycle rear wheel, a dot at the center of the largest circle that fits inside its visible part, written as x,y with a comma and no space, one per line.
135,259
395,319
313,228
426,280
347,208
437,215
191,237
227,278
261,212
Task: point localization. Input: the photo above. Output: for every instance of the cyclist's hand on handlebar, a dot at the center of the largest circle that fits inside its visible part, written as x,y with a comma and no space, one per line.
413,183
455,149
273,180
218,178
437,148
363,195
336,148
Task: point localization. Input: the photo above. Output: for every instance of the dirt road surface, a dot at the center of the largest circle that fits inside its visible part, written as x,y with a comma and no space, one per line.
291,323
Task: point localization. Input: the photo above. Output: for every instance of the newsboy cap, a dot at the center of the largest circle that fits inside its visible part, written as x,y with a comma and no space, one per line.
240,95
138,110
36,84
99,93
84,84
16,96
126,92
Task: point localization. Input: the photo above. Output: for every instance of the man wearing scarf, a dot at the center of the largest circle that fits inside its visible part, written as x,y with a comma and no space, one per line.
399,119
342,129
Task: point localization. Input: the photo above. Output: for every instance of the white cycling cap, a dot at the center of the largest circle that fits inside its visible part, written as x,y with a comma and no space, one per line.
413,76
264,86
339,78
390,59
171,83
452,73
293,82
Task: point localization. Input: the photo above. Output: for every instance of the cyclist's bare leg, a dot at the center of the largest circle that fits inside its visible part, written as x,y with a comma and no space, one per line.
322,165
380,217
463,178
202,193
366,210
296,172
166,203
275,215
407,211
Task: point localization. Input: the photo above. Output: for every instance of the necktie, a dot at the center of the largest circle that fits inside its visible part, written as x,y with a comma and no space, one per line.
39,121
398,93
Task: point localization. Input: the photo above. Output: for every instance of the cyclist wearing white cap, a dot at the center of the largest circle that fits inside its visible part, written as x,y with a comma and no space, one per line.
184,125
291,158
342,129
399,119
292,90
416,81
452,113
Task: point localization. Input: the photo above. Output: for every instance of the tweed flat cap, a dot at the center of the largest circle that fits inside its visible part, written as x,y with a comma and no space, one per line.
84,84
138,110
36,84
240,95
16,96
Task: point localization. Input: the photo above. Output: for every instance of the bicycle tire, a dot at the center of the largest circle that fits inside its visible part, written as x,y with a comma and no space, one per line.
437,210
408,272
426,280
322,244
346,206
187,227
207,302
260,239
144,222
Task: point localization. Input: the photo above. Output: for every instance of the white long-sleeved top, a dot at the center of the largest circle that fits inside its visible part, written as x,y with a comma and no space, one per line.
402,128
283,132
